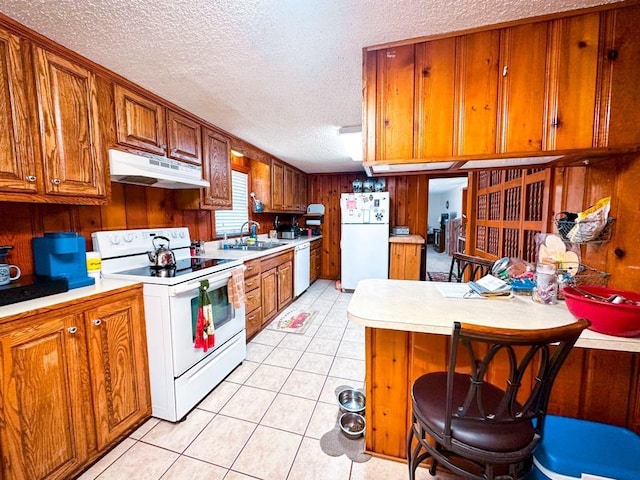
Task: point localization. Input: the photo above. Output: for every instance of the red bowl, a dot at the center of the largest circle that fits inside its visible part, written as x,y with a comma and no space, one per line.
619,319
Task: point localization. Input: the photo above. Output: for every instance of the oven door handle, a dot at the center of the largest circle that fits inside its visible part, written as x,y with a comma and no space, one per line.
216,281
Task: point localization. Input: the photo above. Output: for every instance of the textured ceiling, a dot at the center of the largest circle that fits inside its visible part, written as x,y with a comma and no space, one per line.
282,75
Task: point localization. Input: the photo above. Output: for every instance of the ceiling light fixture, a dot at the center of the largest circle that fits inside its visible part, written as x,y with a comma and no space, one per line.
352,139
237,153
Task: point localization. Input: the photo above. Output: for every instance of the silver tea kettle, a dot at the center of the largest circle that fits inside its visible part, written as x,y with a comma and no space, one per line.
163,257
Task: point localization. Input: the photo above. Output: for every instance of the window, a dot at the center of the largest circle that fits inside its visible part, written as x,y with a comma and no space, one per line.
230,221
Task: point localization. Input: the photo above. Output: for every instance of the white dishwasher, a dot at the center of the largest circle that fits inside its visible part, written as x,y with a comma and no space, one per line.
301,268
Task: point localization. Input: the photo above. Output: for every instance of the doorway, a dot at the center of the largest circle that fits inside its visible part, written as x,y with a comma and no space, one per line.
446,215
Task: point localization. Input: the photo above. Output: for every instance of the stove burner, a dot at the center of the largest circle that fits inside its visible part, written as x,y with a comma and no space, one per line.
170,266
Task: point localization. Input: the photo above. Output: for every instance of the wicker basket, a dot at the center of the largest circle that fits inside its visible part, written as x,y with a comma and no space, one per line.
590,276
583,234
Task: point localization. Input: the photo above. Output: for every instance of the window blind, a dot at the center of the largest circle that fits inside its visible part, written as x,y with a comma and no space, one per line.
230,221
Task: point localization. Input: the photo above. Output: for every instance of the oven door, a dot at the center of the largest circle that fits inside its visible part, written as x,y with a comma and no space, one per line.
183,303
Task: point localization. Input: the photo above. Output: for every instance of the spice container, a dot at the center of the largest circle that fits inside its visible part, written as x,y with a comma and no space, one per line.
546,290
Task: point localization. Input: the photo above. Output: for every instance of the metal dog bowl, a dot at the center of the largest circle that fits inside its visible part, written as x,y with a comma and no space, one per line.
351,400
352,424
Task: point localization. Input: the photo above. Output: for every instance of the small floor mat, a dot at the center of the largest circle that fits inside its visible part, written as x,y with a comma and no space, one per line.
297,321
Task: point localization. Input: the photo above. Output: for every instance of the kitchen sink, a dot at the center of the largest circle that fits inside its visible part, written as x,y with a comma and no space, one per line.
256,246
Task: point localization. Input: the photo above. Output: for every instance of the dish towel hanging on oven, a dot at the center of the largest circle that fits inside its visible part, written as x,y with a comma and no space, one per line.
205,332
235,287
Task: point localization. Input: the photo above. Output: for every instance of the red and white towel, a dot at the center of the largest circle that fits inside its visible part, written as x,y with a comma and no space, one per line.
235,287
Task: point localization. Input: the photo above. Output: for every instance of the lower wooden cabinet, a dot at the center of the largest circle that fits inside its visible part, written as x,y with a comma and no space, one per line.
253,292
73,381
315,260
405,257
277,284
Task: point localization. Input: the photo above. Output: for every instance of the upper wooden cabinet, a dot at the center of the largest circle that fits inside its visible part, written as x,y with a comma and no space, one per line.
140,122
435,66
146,125
573,72
72,154
278,186
17,161
477,91
216,168
619,115
561,85
523,60
57,158
184,137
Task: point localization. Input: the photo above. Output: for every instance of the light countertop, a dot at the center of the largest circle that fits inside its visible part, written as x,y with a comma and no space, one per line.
406,239
102,285
214,249
416,306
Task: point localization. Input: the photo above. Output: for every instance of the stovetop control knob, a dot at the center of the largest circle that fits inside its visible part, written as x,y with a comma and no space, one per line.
115,240
181,234
128,237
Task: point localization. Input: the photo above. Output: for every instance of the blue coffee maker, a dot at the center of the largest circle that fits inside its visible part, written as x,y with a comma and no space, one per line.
62,255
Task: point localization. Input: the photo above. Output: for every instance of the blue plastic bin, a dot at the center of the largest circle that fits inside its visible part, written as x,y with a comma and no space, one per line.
575,449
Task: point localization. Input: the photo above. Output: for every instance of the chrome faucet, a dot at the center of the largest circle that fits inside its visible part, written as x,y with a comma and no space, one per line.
249,230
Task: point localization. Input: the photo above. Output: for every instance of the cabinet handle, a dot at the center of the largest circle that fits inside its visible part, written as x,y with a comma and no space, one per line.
249,284
56,181
249,297
505,70
97,322
31,178
163,146
251,317
72,330
612,54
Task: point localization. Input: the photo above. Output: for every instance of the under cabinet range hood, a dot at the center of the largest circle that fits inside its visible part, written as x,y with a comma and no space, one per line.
154,171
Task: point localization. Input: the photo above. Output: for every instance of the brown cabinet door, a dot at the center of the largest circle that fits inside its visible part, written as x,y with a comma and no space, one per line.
289,189
42,430
216,168
17,162
477,92
119,366
184,137
140,122
572,89
522,93
72,157
285,284
277,186
269,294
394,106
620,115
434,104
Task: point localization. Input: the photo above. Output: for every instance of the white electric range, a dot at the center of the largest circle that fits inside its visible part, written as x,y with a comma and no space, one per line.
180,374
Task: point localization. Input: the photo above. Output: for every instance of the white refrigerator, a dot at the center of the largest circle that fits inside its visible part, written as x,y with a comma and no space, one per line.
364,241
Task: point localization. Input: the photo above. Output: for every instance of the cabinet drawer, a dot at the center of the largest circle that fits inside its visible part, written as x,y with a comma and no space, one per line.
253,298
252,268
251,283
254,322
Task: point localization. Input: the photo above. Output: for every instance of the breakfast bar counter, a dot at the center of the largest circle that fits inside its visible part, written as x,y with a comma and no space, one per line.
408,324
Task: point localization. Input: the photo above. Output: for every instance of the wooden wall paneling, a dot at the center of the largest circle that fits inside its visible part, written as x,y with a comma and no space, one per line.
567,393
136,206
114,214
387,382
159,202
88,220
607,383
17,231
623,269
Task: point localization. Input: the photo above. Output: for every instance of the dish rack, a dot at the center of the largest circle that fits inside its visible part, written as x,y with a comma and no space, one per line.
588,276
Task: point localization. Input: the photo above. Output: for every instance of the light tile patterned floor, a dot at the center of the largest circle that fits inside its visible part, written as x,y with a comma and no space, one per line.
267,418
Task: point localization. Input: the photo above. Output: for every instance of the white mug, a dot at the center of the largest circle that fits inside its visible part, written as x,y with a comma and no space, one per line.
5,273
